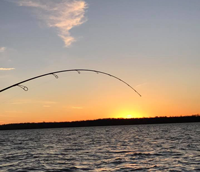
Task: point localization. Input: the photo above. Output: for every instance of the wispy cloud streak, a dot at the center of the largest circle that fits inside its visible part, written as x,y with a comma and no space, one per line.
60,14
77,107
7,68
27,101
2,49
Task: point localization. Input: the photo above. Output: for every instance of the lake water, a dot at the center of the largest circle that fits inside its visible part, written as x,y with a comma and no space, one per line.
164,147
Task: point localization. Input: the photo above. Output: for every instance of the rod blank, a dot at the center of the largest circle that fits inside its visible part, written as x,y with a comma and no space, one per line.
61,71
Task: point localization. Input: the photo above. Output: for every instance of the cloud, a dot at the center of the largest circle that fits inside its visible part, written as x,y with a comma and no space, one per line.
60,14
2,49
73,107
22,101
7,68
46,106
14,111
47,102
77,107
26,101
140,85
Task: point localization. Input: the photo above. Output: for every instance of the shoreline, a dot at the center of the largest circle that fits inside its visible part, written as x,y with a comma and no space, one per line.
102,122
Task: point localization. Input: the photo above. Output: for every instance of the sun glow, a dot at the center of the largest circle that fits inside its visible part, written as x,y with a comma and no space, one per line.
128,115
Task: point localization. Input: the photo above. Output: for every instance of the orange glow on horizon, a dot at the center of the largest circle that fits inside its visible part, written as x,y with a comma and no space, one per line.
128,115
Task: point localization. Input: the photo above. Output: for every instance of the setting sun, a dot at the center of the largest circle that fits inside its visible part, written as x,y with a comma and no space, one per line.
99,85
128,114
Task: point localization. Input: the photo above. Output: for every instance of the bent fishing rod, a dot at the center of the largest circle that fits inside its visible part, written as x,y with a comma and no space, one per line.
61,71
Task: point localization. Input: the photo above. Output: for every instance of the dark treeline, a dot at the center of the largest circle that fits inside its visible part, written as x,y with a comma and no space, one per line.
102,122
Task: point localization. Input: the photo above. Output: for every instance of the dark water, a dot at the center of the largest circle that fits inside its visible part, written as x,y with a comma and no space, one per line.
169,147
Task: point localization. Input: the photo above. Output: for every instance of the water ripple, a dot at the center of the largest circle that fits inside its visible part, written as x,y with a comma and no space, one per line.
171,147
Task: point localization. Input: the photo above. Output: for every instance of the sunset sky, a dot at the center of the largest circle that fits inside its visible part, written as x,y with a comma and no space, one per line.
151,44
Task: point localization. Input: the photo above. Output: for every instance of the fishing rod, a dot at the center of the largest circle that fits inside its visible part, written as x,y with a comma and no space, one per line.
61,71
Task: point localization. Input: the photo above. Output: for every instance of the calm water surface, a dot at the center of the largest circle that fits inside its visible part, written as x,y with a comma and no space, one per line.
168,147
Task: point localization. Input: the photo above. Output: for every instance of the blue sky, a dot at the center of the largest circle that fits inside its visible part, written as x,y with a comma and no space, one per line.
151,44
